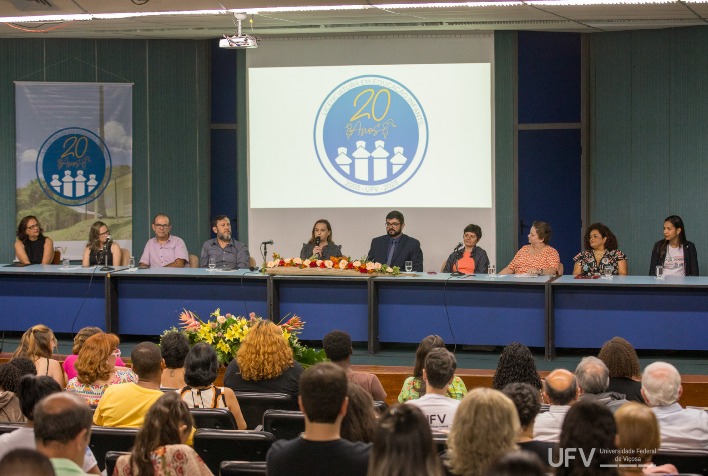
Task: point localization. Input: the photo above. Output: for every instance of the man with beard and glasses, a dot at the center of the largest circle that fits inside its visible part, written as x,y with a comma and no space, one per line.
227,252
394,248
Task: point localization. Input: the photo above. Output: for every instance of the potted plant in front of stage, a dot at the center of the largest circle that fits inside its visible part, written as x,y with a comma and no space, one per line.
226,332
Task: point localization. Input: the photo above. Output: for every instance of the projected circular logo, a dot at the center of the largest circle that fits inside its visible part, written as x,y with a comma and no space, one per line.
371,135
73,166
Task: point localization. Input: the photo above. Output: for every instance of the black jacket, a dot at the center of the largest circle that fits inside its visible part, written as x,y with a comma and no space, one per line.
690,258
479,256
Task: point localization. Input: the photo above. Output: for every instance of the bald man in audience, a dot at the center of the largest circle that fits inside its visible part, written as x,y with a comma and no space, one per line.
681,429
560,390
593,378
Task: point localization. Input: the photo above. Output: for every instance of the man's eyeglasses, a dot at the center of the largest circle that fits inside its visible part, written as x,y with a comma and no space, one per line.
392,224
33,227
162,225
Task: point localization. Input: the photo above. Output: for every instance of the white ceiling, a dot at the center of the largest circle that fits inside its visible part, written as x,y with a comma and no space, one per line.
525,15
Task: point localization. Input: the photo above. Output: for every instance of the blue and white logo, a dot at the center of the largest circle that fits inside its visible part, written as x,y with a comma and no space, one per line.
371,135
73,166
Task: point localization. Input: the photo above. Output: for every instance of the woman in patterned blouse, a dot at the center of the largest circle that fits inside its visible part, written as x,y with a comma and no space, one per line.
600,253
537,257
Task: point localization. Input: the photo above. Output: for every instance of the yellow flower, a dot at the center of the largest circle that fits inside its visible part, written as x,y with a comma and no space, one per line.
232,333
206,334
286,335
223,346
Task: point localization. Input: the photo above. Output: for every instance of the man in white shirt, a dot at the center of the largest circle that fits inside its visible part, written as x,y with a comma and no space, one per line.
681,429
438,372
560,390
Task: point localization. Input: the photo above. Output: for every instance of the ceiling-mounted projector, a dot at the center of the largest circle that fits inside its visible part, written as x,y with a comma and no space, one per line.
239,40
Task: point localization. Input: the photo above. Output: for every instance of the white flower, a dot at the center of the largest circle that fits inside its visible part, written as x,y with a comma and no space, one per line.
297,261
389,270
270,264
377,266
306,262
319,262
357,263
370,265
220,319
328,264
343,264
288,260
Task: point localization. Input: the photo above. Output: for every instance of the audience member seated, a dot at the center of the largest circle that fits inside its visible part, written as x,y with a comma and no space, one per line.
560,390
338,347
517,463
527,400
38,344
638,436
438,408
79,339
359,422
516,365
200,368
174,347
485,427
24,365
96,368
264,363
593,377
26,462
125,405
9,403
320,451
414,387
30,390
62,430
682,429
403,445
622,361
537,257
160,447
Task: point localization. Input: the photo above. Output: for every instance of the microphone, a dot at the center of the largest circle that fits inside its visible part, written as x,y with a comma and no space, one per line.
459,245
109,240
269,242
317,241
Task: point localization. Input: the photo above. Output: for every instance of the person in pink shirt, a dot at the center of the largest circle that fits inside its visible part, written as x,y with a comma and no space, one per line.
79,339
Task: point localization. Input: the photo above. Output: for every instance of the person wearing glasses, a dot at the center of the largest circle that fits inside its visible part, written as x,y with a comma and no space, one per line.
165,250
95,252
32,247
394,248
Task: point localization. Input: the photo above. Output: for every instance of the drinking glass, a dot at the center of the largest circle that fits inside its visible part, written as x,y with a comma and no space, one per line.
131,263
66,263
492,271
659,272
607,271
212,262
409,266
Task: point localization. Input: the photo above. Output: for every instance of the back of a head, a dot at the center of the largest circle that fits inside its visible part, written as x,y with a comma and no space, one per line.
26,462
592,375
527,400
517,463
92,361
661,383
561,387
60,417
360,420
32,389
81,337
323,388
201,365
36,342
337,345
620,357
174,347
426,345
516,365
440,366
24,365
264,353
403,445
637,429
146,359
9,377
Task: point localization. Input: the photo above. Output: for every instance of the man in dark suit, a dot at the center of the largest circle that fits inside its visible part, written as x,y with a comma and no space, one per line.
395,248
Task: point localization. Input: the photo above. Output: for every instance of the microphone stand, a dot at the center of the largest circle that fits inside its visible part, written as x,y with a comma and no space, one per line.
455,266
106,252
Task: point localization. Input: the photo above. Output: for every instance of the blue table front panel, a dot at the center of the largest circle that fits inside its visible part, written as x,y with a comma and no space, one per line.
64,303
478,314
148,306
327,305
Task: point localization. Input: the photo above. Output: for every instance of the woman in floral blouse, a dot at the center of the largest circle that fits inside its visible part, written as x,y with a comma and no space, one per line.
160,447
600,253
414,387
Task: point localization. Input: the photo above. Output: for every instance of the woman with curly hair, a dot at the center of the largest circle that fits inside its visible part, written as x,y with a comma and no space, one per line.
264,363
485,427
622,361
32,247
95,251
516,365
414,387
79,339
160,448
38,344
601,253
96,368
9,403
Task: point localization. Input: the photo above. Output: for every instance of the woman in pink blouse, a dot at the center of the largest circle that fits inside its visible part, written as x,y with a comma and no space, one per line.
537,257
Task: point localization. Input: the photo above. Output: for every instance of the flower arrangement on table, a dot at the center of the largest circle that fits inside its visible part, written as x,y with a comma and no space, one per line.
226,332
343,263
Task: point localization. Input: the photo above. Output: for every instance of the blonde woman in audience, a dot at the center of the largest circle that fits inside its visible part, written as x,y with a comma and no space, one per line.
96,368
485,427
403,445
160,448
414,387
38,344
79,339
638,435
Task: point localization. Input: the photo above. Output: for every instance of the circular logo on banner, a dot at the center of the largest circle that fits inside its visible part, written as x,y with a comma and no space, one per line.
73,166
371,135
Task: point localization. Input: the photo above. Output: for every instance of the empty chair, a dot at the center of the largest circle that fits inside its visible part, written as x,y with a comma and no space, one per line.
10,427
685,462
242,468
253,405
284,424
216,418
111,458
105,439
215,446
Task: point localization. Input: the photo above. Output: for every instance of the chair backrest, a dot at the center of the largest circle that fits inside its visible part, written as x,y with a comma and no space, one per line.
217,418
442,268
111,458
685,462
56,257
105,439
284,424
440,441
193,261
215,446
124,257
253,405
9,427
251,262
242,468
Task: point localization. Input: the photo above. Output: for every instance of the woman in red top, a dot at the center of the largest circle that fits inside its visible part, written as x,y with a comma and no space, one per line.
473,259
